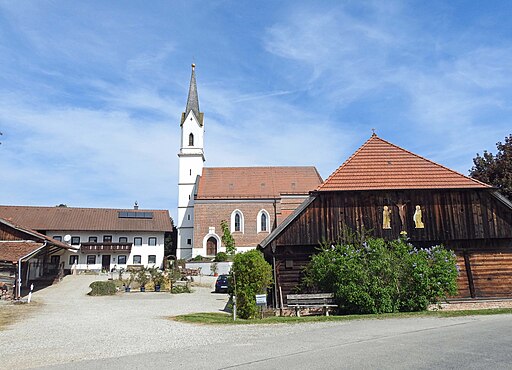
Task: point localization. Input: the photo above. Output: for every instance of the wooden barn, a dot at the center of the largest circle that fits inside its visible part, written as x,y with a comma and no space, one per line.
389,190
25,256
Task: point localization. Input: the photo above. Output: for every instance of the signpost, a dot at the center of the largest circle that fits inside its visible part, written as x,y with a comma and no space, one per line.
261,300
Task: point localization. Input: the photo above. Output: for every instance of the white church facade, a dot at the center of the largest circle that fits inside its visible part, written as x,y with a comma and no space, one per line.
253,200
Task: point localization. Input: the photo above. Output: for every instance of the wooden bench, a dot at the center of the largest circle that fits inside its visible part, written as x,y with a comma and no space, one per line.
320,300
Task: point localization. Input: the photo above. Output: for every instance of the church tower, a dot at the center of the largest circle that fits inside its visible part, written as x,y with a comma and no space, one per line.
191,160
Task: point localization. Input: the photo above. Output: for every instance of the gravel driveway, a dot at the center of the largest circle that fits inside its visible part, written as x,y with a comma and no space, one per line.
72,326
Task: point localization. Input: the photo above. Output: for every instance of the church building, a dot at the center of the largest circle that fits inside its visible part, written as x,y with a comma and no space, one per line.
252,200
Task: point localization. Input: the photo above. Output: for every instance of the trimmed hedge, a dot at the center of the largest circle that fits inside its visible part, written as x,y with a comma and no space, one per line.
102,288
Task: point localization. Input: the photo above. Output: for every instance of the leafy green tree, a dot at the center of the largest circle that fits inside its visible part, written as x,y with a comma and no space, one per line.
227,239
250,275
495,169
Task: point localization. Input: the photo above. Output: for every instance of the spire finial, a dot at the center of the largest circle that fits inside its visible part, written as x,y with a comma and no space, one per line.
193,66
373,132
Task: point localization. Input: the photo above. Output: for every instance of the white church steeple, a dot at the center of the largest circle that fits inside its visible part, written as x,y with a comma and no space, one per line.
191,160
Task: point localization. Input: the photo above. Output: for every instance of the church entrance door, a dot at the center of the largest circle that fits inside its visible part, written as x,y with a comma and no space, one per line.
211,246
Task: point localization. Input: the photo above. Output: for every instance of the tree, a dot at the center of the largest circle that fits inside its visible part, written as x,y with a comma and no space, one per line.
495,169
227,238
250,275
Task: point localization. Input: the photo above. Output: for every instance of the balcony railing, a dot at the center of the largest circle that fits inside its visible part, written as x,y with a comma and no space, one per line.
105,247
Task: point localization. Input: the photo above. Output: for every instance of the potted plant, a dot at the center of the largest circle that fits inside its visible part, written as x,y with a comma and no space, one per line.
128,282
142,278
157,277
214,268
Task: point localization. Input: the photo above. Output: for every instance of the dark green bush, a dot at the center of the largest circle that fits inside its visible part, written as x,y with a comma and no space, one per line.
197,258
102,288
252,275
377,276
221,257
178,289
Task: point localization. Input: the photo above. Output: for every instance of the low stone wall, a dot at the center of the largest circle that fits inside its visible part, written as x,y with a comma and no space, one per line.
222,267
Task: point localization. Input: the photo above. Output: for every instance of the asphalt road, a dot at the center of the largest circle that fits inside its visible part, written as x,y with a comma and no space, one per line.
478,342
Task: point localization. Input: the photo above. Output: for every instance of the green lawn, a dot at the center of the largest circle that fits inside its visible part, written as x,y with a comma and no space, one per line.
217,318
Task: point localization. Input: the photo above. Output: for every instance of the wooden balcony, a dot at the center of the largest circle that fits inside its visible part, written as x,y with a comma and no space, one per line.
105,247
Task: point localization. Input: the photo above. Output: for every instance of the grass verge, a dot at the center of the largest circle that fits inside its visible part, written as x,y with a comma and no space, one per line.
217,318
10,313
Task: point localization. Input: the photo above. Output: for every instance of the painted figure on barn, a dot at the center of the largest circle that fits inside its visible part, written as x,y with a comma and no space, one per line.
386,218
401,212
417,218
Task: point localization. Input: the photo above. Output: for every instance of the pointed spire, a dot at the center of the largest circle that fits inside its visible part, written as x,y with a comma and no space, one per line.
193,100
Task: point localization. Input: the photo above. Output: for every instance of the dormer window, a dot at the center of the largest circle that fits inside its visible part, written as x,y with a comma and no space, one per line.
191,140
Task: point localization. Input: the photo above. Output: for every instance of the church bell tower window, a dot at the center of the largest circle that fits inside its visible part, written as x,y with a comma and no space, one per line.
191,140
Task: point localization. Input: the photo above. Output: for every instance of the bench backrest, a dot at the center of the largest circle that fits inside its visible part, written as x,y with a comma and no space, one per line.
320,298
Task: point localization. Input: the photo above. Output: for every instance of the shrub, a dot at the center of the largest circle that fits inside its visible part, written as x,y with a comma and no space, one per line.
102,288
250,275
178,289
197,258
221,257
377,276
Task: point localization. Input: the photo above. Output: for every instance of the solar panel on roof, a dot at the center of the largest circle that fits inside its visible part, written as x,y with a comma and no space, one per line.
131,214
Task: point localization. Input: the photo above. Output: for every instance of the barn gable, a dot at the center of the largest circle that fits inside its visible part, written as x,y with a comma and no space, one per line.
387,190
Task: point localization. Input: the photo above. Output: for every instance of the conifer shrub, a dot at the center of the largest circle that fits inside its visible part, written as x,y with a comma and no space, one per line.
250,275
378,276
102,288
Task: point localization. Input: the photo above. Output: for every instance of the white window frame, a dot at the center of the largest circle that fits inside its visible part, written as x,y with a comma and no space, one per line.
233,214
258,221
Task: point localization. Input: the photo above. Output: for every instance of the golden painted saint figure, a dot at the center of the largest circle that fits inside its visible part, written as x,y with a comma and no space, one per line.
386,218
417,218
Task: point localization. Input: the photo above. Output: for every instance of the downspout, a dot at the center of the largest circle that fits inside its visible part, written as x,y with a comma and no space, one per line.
18,282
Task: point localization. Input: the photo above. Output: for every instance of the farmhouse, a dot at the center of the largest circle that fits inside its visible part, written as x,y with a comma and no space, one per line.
25,255
389,190
104,238
253,200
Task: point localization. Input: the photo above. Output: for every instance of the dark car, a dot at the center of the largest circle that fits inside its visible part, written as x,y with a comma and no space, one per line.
222,284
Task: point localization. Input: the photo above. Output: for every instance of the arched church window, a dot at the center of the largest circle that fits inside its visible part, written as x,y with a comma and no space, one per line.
191,140
237,221
263,221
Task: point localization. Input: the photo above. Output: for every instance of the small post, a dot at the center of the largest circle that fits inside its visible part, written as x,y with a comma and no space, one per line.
30,293
234,308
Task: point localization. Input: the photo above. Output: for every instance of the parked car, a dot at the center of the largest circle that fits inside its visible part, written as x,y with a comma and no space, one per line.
222,284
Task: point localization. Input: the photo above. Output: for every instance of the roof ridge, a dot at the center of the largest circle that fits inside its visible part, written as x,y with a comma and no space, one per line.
346,161
376,151
435,163
89,208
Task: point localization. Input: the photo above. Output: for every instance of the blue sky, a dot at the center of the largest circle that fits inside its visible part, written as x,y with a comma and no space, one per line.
91,92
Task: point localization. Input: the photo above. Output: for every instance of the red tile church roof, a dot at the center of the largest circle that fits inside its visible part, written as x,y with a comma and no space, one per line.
379,165
256,182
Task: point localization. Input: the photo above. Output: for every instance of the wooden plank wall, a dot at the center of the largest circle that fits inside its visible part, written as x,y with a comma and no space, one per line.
492,273
8,233
447,215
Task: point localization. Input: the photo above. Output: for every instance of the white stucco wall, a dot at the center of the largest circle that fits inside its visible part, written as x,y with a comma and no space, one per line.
144,250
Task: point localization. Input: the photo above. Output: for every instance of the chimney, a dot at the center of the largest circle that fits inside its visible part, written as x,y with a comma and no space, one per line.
136,205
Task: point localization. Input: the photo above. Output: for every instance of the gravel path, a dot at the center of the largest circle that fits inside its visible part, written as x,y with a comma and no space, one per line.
71,326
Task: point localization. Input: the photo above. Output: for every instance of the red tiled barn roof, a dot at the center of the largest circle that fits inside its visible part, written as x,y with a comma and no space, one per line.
256,182
379,165
12,251
84,219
